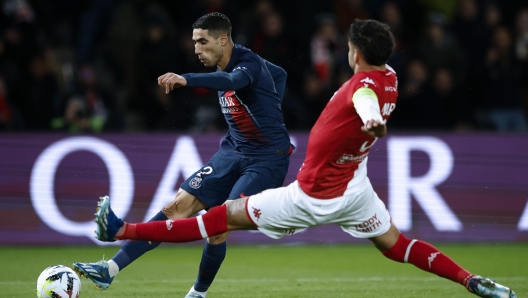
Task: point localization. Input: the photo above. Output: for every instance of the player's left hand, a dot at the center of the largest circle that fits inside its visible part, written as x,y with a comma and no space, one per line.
170,81
374,128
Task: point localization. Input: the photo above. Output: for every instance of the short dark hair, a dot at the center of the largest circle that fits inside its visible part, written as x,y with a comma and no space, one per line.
217,23
373,39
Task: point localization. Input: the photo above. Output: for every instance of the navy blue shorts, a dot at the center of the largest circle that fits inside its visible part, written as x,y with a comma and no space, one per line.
226,177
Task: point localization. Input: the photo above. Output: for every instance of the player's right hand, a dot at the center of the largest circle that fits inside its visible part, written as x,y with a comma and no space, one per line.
374,128
170,81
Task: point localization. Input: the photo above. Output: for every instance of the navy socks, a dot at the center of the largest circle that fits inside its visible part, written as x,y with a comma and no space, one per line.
132,250
212,257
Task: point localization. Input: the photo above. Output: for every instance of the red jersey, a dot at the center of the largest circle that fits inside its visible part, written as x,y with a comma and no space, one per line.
336,156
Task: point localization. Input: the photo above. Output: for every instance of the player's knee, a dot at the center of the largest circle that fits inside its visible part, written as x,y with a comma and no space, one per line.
237,218
218,239
183,206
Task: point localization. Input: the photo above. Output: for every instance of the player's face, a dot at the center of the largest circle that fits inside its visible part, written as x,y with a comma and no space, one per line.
207,47
352,56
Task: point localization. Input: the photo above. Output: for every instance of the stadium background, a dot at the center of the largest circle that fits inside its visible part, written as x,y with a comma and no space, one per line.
89,68
81,116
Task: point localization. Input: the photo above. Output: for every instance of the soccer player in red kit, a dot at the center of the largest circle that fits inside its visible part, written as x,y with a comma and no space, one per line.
332,185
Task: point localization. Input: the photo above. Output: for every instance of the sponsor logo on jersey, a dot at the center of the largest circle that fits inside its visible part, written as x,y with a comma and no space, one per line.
387,109
168,222
346,158
391,89
229,102
369,225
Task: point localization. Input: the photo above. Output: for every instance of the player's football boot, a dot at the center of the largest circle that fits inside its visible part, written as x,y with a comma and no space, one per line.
108,223
193,294
485,287
96,272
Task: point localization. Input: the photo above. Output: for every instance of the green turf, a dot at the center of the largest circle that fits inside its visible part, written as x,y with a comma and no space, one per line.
275,271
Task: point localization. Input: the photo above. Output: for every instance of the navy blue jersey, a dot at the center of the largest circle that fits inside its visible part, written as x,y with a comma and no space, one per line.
253,112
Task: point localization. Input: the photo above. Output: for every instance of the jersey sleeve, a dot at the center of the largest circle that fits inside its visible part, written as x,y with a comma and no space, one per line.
366,104
279,76
364,98
251,67
218,80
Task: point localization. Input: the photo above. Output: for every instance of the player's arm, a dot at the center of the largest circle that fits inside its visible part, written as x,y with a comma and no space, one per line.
219,80
279,76
366,104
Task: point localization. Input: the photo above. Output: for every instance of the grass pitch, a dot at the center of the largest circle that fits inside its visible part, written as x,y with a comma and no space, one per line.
273,271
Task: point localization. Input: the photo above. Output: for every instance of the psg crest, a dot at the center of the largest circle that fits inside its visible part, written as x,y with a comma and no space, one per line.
195,182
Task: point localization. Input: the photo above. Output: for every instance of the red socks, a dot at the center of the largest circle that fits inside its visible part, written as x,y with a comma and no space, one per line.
427,257
214,222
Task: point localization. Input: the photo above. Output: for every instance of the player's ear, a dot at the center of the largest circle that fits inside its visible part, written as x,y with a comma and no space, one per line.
223,40
357,55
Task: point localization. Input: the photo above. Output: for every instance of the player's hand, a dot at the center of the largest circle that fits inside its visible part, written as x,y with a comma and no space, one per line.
374,128
170,81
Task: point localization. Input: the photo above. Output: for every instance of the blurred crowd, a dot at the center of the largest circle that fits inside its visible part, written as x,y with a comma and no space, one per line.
92,65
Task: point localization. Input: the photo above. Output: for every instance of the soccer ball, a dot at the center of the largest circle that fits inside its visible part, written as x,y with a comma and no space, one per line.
58,282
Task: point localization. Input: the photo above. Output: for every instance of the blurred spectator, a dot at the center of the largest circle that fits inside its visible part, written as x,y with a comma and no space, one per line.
250,19
521,49
470,32
18,11
157,56
502,84
414,96
438,106
126,33
328,48
91,108
492,15
440,50
346,11
472,61
202,111
316,96
274,44
391,15
6,112
451,109
37,96
174,110
521,42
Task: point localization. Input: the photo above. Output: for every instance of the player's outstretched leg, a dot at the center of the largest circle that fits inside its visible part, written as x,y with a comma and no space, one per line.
107,226
428,258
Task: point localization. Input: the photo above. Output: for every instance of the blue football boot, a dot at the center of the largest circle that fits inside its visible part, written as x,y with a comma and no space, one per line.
96,272
108,223
485,287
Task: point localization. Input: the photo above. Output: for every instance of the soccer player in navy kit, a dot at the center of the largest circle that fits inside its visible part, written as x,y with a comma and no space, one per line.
253,156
